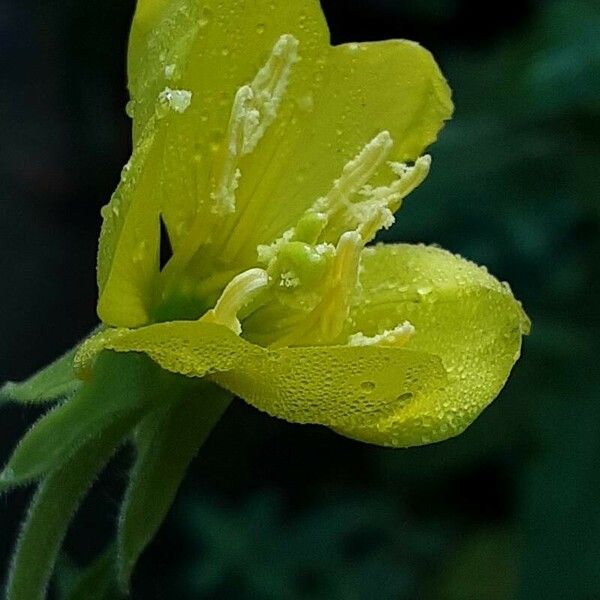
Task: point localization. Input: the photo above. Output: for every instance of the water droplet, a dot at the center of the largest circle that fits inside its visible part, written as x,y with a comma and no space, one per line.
140,252
216,137
402,398
367,386
260,28
170,71
125,171
205,17
130,108
306,103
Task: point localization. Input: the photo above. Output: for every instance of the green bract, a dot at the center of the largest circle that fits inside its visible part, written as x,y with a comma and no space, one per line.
269,159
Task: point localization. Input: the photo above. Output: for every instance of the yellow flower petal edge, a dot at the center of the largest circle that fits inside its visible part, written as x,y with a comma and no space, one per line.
461,314
188,63
337,386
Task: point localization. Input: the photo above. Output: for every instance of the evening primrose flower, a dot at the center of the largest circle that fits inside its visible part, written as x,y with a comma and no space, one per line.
264,161
272,159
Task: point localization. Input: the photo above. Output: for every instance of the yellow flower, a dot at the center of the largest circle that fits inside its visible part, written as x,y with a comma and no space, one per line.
270,159
266,160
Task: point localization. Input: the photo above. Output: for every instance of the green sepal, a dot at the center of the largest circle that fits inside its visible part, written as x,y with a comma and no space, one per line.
97,581
117,386
52,508
53,382
167,440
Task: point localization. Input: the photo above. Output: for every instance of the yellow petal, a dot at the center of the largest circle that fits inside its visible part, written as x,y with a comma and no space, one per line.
185,347
329,385
129,244
211,50
336,100
337,386
462,314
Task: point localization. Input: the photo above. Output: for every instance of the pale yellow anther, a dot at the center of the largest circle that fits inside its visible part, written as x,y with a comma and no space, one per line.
398,337
228,178
357,172
375,210
328,216
240,291
268,89
254,110
408,179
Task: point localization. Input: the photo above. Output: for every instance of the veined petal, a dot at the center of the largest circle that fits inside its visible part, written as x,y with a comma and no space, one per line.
211,49
461,314
337,386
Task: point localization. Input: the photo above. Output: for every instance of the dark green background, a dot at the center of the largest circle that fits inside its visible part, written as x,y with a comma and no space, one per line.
510,509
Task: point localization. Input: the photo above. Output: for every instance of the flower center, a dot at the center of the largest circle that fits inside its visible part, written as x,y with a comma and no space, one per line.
303,292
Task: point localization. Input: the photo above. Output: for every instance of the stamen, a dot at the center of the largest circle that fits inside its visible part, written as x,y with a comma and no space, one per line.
325,221
399,337
376,210
409,178
228,179
357,172
254,110
269,87
240,291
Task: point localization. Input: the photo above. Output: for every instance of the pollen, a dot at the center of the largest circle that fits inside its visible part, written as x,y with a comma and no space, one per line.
177,100
357,172
399,336
254,109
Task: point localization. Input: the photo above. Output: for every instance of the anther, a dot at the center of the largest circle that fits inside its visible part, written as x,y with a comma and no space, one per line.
254,109
398,337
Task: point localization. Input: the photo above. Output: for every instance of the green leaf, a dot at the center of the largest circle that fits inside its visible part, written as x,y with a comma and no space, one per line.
55,381
167,440
52,507
118,385
98,580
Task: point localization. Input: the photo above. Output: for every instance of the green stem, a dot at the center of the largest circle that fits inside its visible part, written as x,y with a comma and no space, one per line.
52,507
167,441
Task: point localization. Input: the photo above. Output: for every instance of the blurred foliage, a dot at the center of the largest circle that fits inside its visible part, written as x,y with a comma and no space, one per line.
345,547
507,511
